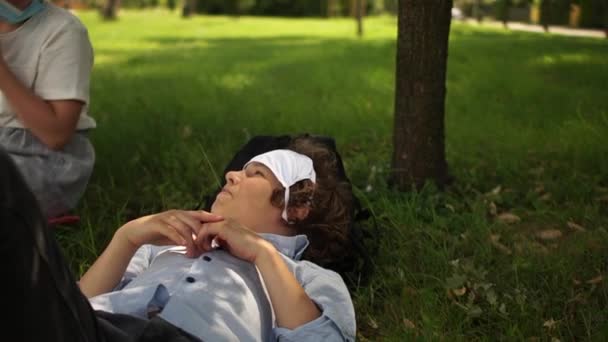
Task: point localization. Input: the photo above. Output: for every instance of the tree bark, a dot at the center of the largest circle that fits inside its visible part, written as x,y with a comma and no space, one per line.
477,11
189,8
359,8
418,136
108,12
357,11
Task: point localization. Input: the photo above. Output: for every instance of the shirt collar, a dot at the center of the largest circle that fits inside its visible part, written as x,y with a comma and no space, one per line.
291,246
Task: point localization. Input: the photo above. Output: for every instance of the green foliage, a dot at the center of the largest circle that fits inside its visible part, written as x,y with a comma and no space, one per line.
526,126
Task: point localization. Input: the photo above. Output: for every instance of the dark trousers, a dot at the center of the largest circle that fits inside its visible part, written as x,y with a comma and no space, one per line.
42,301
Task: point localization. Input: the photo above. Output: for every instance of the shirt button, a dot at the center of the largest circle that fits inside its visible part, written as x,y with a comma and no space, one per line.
190,279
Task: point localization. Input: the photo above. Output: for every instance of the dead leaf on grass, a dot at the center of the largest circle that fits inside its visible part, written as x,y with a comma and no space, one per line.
540,188
575,226
576,282
549,234
460,292
450,207
492,209
372,323
496,190
550,324
186,131
409,324
602,198
495,241
595,280
540,248
508,218
537,171
545,197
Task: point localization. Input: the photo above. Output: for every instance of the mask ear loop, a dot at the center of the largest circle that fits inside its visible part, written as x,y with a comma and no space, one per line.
284,214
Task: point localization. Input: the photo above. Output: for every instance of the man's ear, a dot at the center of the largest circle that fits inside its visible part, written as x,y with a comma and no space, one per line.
298,213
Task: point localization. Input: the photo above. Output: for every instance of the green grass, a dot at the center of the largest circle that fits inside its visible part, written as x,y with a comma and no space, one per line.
526,112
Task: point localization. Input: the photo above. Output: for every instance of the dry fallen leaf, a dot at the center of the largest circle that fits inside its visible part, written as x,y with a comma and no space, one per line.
537,171
602,199
459,292
451,207
549,234
595,280
508,218
576,282
492,209
550,324
575,226
372,323
409,324
545,197
539,189
496,190
538,247
495,241
186,131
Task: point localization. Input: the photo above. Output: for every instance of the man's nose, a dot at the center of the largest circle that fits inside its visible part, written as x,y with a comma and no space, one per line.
232,177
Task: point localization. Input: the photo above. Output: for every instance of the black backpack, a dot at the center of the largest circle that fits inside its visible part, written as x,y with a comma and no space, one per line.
357,268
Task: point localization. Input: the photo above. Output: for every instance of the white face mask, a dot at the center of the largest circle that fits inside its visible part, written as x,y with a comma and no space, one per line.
289,167
13,15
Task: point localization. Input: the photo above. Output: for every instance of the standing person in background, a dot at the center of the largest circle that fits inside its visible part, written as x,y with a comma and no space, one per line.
46,60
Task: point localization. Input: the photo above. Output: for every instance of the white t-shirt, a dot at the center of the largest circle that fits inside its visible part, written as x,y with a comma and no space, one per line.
51,54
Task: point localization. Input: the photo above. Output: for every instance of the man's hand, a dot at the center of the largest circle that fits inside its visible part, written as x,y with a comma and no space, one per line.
234,238
173,227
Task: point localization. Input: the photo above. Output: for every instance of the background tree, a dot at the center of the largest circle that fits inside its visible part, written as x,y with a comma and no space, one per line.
502,11
189,8
477,10
358,11
109,10
418,134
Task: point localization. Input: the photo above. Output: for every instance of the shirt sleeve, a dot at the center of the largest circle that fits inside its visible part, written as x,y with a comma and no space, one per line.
330,294
66,61
138,264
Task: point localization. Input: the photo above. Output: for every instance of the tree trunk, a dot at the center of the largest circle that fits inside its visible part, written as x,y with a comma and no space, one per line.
357,11
359,8
477,11
189,8
108,12
418,136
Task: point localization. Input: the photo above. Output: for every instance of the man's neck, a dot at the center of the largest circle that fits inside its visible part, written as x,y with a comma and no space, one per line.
6,27
20,4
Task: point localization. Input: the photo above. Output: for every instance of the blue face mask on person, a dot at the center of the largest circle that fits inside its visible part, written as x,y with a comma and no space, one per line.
13,15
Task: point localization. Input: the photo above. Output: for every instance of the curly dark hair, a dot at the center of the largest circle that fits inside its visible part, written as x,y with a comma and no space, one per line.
329,201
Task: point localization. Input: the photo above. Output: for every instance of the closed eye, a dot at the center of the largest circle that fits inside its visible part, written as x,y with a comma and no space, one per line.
254,172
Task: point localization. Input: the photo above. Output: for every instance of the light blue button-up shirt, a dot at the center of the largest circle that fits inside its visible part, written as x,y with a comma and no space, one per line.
218,297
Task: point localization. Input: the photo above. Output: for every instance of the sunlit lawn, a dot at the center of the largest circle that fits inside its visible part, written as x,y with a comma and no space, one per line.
527,134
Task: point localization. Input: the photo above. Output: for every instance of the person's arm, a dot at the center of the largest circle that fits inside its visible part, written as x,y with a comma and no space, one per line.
284,290
173,227
53,122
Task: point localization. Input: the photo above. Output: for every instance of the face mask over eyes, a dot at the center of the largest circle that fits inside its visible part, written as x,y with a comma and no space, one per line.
13,15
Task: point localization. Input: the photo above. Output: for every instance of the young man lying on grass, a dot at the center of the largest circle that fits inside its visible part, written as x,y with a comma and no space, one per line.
234,274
